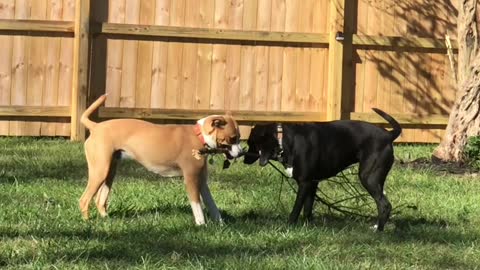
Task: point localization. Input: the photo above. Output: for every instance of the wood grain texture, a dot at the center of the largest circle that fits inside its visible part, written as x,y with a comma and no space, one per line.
203,67
159,57
143,80
130,58
50,94
36,67
65,76
7,11
116,14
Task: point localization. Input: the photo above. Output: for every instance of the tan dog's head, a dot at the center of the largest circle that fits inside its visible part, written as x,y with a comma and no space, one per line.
221,131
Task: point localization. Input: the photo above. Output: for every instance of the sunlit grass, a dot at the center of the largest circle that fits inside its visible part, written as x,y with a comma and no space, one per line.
435,226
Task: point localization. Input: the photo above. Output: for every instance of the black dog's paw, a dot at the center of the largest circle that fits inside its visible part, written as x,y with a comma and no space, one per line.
227,218
226,164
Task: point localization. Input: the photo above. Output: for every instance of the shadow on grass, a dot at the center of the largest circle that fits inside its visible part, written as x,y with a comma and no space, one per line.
187,242
120,212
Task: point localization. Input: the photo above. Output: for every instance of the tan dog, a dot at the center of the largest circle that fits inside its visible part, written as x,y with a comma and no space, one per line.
163,149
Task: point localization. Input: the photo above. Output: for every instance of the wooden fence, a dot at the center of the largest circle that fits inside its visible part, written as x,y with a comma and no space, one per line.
265,60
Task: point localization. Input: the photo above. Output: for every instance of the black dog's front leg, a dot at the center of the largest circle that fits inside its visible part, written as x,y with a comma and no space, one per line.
309,201
302,192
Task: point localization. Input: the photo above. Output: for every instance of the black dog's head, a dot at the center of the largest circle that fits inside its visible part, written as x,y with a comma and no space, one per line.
262,144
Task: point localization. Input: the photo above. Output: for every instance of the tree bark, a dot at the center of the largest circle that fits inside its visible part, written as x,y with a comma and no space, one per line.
464,120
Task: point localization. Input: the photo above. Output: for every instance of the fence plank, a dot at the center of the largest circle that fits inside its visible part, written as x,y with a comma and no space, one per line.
19,68
65,78
130,58
175,58
80,67
219,59
189,58
145,51
7,11
335,61
50,94
371,75
160,52
247,78
275,58
247,56
262,57
204,57
289,74
116,14
317,63
234,14
36,69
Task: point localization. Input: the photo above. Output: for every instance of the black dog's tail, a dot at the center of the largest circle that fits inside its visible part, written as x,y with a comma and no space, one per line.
397,129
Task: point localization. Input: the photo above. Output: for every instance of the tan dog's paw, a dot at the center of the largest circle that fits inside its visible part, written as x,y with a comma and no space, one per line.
196,154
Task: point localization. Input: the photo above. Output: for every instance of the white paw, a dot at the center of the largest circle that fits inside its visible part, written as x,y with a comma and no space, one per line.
289,172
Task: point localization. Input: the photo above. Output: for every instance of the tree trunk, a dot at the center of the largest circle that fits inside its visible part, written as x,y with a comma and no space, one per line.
464,120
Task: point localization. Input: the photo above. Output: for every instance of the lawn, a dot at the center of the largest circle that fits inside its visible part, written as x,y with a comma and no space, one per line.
436,224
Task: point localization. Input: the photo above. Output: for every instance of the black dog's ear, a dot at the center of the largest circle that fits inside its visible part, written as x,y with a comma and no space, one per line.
250,157
260,130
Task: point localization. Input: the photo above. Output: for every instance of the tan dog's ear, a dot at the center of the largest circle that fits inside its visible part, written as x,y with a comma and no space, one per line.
215,122
219,122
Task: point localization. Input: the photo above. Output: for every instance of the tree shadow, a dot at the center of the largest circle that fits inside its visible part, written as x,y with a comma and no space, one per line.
417,78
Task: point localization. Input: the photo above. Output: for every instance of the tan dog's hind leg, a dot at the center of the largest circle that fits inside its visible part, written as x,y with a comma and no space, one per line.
98,167
208,199
193,191
105,188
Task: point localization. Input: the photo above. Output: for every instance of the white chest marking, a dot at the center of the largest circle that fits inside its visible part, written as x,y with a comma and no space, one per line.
289,171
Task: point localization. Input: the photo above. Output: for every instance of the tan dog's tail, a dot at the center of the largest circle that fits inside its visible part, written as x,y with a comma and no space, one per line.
89,124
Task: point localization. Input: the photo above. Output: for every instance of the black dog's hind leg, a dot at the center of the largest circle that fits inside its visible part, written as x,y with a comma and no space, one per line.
309,201
304,188
373,173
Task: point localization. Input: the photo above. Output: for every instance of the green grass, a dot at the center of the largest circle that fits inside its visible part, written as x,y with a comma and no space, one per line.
436,224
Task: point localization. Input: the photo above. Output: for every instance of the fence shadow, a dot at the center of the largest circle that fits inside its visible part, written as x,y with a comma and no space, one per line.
419,77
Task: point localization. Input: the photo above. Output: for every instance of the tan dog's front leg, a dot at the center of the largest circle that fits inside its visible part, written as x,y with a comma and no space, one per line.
208,199
193,191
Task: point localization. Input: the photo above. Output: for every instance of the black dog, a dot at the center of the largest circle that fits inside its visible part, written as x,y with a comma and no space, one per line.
313,152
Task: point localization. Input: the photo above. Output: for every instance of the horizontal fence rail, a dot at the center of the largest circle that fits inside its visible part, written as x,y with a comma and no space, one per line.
35,111
240,116
37,26
401,42
403,119
210,33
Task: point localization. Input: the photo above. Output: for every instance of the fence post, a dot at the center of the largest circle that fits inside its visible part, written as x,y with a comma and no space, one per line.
335,59
80,68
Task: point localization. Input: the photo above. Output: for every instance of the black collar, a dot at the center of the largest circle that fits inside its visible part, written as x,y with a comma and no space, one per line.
279,156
